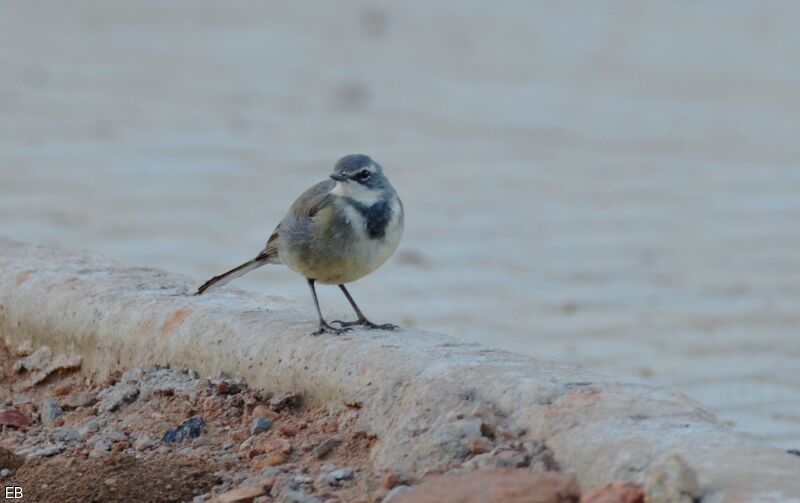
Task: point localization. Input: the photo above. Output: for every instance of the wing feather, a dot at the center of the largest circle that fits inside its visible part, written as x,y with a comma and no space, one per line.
303,210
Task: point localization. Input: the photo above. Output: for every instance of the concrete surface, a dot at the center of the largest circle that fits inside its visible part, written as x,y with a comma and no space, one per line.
421,392
616,181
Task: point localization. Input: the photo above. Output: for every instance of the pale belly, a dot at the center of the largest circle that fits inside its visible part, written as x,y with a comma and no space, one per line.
331,264
363,259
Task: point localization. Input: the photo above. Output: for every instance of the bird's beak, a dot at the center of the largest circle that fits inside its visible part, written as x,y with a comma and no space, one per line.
340,177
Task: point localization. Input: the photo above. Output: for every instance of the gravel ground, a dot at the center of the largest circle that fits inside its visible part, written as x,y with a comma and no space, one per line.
166,435
159,434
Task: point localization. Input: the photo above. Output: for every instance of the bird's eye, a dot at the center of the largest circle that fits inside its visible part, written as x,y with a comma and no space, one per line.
363,175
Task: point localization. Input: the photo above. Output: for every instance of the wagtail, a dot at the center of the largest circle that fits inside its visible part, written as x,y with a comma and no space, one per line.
336,232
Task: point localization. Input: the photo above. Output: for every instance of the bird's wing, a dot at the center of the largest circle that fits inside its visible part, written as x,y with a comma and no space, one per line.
313,200
309,204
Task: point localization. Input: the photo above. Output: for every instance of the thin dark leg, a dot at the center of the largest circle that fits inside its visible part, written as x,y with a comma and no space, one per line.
353,303
323,325
362,320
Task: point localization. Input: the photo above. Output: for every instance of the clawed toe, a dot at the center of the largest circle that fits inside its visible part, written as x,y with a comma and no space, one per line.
385,326
366,324
325,328
347,323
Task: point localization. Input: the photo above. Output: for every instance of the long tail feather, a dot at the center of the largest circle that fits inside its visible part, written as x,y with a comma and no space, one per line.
225,278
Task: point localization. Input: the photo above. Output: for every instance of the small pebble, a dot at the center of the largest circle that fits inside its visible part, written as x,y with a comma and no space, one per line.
191,428
240,494
131,376
278,445
263,410
15,418
230,387
395,493
101,444
115,397
50,411
115,435
299,497
43,451
260,425
144,442
64,434
342,474
20,399
269,460
325,447
283,399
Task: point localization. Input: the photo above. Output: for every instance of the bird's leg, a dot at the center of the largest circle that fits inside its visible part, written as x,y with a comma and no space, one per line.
323,325
362,320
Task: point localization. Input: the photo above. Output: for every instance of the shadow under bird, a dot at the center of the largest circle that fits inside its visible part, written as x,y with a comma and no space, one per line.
336,232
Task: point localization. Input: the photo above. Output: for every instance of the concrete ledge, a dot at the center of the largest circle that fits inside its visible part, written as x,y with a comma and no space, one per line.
419,391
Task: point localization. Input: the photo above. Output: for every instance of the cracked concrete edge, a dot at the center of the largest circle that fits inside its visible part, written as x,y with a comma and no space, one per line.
418,390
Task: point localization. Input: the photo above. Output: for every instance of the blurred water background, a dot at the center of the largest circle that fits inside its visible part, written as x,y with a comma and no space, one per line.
614,184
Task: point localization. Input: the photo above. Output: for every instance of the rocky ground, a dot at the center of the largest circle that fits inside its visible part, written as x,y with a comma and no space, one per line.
167,435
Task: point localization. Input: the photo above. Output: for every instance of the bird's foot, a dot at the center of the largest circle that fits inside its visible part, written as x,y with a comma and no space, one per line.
366,324
325,328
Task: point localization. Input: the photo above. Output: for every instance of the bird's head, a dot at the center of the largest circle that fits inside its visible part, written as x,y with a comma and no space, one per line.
360,178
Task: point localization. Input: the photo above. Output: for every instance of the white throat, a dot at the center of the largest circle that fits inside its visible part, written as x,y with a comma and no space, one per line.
357,192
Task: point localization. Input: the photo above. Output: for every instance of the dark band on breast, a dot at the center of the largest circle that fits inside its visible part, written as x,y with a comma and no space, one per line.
376,216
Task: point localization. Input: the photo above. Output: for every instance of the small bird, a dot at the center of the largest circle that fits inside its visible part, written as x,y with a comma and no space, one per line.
336,232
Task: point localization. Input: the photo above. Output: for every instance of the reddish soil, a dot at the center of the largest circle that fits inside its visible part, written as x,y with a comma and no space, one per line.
66,437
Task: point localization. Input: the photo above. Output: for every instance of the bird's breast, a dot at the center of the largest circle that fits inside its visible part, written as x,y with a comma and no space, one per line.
343,242
372,221
365,238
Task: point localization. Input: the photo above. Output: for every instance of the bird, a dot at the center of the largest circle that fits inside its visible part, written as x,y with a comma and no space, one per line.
336,232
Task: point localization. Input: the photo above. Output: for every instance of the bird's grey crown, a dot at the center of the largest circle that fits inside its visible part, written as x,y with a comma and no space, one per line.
354,162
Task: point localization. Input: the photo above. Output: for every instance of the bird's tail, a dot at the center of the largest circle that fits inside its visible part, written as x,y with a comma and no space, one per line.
227,277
